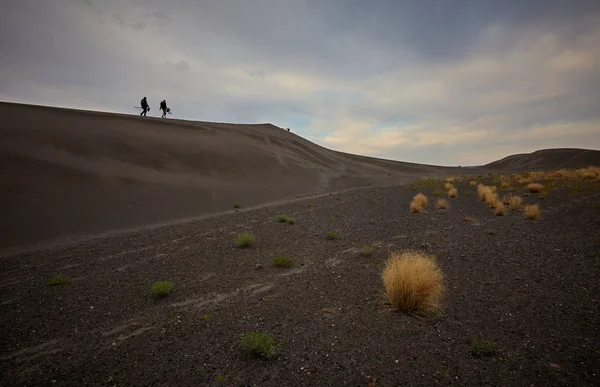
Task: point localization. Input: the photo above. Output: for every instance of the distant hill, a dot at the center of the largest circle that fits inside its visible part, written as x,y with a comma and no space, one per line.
548,159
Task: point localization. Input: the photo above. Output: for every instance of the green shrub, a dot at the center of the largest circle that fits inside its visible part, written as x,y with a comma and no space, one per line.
482,348
236,205
283,261
283,218
161,288
245,239
259,344
331,235
58,280
366,251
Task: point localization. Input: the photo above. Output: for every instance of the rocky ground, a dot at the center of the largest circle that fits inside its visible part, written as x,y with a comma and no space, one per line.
530,286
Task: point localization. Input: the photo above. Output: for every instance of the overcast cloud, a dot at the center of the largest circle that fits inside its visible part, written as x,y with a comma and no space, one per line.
434,81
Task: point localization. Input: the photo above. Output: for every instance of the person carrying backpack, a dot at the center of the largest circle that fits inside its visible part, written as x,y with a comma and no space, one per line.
163,107
145,107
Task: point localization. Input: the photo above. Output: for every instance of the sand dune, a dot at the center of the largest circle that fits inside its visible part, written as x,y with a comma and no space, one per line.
549,159
71,172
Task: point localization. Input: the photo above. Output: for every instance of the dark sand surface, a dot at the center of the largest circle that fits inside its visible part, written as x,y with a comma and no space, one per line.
530,286
77,178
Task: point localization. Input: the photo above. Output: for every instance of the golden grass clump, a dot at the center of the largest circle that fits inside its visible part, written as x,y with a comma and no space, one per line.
525,180
473,183
532,211
487,194
535,187
450,180
448,186
506,199
442,204
413,282
499,208
515,203
490,199
418,203
452,192
592,173
481,191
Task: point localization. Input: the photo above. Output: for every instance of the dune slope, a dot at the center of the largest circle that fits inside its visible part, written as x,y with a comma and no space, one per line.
549,159
69,172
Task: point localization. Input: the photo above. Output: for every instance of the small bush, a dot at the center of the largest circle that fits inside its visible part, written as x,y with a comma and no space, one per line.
291,221
283,261
437,192
452,192
309,205
506,199
484,192
259,344
58,280
442,204
283,218
366,251
161,288
413,282
499,208
532,211
515,203
331,235
337,213
482,348
525,180
418,203
236,205
206,316
448,186
245,239
421,199
450,180
473,183
535,187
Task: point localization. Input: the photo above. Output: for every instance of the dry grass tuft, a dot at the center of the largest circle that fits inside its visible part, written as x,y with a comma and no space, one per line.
450,180
448,186
532,211
499,208
525,180
490,199
452,192
515,203
418,203
473,183
413,282
506,199
535,187
442,204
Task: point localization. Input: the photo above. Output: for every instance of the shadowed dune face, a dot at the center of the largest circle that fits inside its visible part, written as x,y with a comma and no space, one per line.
69,172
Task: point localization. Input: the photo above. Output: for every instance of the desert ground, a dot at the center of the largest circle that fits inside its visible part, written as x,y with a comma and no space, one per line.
96,208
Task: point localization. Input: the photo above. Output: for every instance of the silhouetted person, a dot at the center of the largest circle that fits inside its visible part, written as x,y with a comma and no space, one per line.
145,107
163,107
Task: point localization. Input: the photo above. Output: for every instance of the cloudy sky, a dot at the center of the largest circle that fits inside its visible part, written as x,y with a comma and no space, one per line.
435,81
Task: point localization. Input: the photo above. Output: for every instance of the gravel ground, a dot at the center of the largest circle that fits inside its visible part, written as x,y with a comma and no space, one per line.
531,286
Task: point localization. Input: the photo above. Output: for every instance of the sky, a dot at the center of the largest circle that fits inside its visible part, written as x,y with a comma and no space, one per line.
445,82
